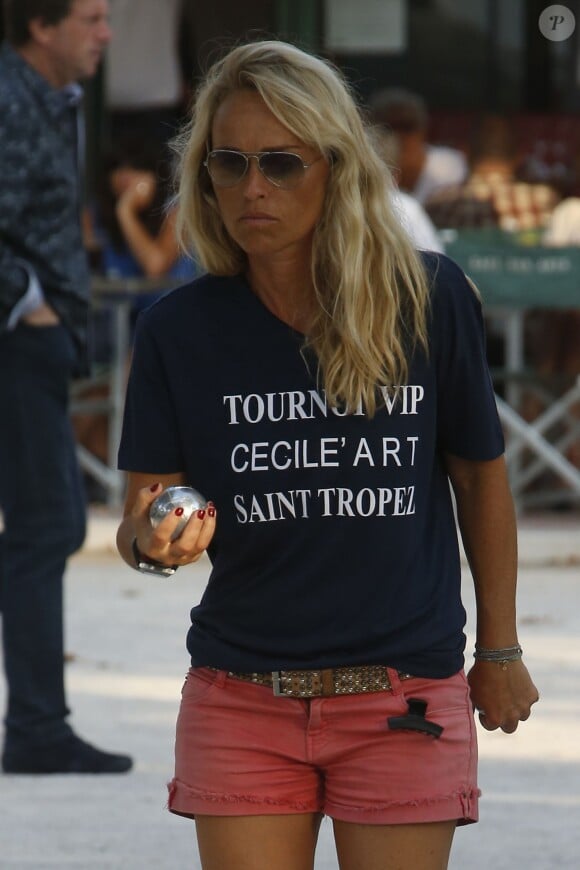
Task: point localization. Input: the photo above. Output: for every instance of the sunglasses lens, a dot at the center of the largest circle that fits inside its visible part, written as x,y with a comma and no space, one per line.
226,168
281,168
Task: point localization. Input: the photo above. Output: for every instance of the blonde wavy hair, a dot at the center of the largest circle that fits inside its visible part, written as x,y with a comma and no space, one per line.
369,281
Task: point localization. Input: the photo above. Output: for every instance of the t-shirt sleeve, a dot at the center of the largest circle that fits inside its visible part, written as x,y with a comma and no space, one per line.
149,440
467,419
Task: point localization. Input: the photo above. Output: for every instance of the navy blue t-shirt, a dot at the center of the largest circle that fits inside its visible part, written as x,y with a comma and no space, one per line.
335,541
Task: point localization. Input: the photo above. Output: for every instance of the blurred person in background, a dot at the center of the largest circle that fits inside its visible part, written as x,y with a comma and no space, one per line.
421,229
134,218
133,225
422,168
416,221
44,302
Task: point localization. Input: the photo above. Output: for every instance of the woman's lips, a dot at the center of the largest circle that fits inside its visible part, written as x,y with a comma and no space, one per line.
257,218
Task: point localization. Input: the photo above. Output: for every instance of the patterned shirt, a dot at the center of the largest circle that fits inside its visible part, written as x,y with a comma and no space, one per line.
41,246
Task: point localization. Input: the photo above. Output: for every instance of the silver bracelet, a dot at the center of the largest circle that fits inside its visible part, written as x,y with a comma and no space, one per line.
500,656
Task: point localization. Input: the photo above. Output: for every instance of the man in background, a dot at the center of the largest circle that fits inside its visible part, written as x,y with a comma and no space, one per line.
422,168
44,288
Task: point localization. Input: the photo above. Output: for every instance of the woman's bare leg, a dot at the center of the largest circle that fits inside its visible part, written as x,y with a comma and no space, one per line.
257,842
394,847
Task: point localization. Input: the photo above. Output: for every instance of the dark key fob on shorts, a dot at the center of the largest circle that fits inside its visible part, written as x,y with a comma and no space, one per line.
415,719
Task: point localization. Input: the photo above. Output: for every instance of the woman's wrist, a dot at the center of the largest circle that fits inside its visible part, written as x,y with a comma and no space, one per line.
125,209
498,655
146,565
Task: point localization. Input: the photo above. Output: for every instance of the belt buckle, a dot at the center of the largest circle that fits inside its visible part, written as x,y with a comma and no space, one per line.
297,684
277,684
284,685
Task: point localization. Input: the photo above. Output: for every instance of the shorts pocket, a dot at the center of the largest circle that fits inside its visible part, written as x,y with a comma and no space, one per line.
445,695
199,683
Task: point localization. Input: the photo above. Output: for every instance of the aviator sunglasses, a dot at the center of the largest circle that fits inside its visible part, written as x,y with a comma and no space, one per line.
281,168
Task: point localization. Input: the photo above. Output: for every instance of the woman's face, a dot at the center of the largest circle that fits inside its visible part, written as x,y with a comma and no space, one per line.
266,221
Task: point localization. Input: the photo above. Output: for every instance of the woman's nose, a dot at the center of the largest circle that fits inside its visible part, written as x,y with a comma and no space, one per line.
255,183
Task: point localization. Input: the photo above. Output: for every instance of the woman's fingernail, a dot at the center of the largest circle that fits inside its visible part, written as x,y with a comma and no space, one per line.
154,487
211,512
200,514
179,512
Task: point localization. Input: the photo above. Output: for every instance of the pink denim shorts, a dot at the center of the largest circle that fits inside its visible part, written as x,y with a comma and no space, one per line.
240,750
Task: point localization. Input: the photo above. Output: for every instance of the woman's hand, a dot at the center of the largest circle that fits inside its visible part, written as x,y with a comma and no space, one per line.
139,193
503,695
156,543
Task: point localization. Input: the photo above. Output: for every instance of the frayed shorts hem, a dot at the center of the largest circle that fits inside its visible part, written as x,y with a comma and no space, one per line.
463,809
185,801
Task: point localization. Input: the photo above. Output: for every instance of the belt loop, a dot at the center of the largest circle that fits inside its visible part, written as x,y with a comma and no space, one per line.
222,679
327,682
396,687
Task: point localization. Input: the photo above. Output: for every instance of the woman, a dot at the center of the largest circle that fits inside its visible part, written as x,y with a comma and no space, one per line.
134,237
138,229
320,385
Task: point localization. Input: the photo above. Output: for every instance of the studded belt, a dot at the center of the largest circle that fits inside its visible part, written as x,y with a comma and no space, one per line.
324,683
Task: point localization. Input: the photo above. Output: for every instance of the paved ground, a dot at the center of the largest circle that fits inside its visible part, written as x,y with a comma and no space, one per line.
126,640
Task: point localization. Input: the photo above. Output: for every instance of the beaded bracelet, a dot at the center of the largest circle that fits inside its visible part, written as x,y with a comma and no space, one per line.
499,656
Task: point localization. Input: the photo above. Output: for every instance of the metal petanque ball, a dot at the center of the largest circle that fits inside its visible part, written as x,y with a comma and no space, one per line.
173,497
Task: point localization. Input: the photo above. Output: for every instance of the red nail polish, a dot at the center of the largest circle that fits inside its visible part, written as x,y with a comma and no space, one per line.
154,487
211,512
200,514
179,512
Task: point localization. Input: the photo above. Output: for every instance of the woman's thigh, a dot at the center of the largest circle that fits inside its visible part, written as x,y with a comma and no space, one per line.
257,842
394,847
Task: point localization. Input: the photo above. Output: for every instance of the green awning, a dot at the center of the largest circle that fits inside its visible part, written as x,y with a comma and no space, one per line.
513,274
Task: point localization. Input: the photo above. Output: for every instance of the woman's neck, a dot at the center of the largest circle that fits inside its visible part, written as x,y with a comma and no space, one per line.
286,291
